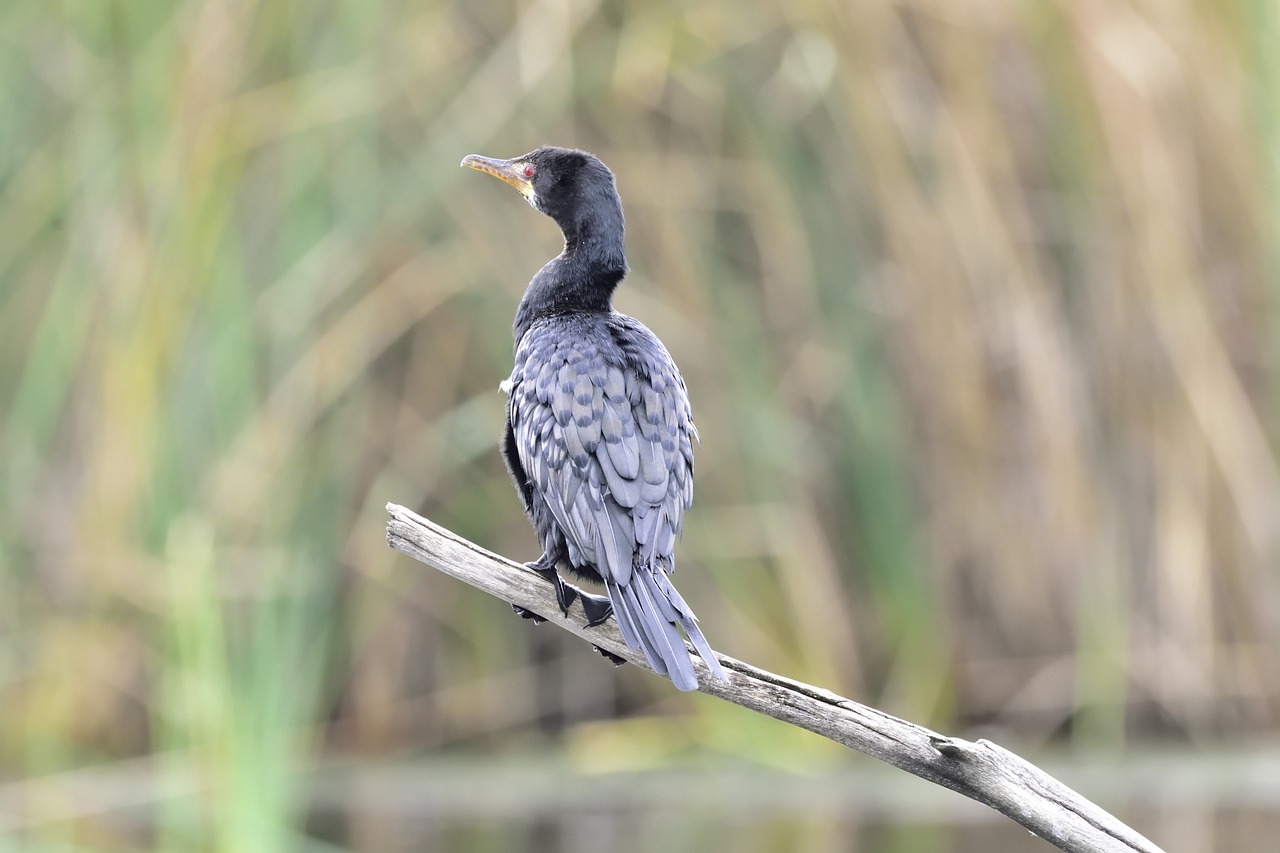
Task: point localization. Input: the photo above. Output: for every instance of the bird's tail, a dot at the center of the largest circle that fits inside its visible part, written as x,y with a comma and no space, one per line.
648,609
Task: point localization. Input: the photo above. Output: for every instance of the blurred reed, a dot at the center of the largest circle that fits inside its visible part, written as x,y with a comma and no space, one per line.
976,302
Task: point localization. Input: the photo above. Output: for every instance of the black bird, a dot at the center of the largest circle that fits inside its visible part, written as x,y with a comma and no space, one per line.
599,434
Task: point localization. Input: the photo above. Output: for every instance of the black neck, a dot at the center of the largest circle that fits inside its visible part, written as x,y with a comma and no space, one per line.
582,278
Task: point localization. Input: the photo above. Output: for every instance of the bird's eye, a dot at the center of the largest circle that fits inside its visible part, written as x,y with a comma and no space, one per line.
528,171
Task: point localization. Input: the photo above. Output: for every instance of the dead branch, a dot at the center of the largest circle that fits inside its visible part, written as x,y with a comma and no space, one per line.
980,770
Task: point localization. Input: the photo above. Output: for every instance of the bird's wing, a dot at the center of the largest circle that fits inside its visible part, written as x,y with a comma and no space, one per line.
607,442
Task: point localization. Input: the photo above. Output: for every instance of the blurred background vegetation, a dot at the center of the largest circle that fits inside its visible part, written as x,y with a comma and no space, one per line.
978,305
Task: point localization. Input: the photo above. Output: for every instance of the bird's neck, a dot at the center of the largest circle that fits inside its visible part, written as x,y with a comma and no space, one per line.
581,279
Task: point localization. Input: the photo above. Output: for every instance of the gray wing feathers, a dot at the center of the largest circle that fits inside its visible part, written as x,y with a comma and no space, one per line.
625,491
616,542
609,448
618,427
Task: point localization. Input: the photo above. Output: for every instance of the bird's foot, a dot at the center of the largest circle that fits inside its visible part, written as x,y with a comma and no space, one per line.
613,659
597,607
528,614
565,593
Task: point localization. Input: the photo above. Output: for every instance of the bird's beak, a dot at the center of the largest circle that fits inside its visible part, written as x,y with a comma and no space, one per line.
511,171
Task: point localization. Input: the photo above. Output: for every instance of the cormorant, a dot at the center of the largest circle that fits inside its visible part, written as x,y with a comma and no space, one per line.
599,434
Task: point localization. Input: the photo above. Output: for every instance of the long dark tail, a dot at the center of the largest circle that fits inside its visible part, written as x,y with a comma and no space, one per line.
648,609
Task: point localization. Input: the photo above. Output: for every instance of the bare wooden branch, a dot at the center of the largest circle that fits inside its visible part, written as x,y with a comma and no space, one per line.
980,770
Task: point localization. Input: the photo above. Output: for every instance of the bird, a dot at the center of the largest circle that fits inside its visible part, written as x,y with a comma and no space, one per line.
599,433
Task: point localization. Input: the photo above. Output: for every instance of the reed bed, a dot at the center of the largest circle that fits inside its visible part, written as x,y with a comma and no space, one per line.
977,304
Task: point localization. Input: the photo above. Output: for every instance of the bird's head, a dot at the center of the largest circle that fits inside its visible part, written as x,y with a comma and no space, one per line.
572,187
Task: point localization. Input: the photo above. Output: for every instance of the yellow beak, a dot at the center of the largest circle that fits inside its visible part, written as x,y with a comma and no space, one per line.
511,171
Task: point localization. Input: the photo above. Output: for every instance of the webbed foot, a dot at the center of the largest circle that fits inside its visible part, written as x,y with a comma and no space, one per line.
565,593
527,614
613,659
597,607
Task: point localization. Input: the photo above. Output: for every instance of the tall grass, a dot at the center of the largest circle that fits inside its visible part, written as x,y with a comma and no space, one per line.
976,305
